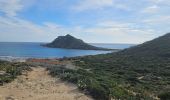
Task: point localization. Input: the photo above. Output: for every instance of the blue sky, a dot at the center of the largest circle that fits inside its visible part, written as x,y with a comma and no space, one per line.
94,21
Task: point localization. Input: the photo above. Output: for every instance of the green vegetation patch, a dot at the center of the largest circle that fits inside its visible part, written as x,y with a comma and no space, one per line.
138,73
9,71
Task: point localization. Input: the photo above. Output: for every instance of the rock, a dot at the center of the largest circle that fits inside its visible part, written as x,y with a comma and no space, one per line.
70,42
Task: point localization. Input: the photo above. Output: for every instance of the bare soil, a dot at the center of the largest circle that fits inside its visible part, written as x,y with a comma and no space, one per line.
38,85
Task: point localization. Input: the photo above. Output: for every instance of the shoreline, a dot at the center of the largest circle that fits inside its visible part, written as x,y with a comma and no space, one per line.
23,59
13,59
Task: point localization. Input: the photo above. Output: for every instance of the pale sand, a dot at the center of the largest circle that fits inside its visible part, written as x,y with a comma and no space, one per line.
38,85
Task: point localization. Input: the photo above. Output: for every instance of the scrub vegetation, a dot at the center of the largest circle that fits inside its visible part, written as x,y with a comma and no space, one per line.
138,73
9,71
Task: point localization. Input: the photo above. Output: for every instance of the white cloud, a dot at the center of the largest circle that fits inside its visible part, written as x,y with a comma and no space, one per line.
117,32
98,5
14,29
10,7
93,4
162,19
124,27
156,1
151,9
165,2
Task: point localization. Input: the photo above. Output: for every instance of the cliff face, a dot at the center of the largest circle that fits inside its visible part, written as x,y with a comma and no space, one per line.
70,42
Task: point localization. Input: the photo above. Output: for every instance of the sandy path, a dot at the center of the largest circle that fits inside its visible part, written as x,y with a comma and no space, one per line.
38,85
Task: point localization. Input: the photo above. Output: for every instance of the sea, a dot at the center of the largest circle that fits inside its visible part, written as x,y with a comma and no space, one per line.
35,50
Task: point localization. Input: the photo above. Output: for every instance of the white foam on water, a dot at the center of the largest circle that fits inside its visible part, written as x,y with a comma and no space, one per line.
13,59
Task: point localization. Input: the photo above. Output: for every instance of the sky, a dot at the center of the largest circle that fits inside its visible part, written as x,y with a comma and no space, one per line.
94,21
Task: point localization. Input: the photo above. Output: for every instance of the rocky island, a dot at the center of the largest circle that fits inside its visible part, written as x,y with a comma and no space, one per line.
70,42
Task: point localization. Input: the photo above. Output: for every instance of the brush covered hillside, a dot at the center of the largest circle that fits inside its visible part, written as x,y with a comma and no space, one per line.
158,47
70,42
138,73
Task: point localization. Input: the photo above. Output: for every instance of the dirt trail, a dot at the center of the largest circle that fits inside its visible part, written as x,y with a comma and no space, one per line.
38,85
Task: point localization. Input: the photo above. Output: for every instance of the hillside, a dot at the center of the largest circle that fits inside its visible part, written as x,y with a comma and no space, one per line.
140,72
157,47
70,42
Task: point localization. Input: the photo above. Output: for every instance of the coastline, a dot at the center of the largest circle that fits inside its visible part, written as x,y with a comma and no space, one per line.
34,50
13,59
24,59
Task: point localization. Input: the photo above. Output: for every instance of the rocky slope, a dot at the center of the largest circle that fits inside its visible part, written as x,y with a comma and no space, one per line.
70,42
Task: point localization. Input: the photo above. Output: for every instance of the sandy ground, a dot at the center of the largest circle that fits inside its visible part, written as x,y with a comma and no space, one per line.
38,85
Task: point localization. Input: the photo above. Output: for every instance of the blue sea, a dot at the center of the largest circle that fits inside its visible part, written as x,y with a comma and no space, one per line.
34,50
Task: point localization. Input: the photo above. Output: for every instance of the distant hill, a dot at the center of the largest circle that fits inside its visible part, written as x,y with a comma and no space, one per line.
138,73
157,47
70,42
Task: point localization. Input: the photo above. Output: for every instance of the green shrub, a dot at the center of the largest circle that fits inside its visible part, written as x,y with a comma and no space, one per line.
164,96
12,70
